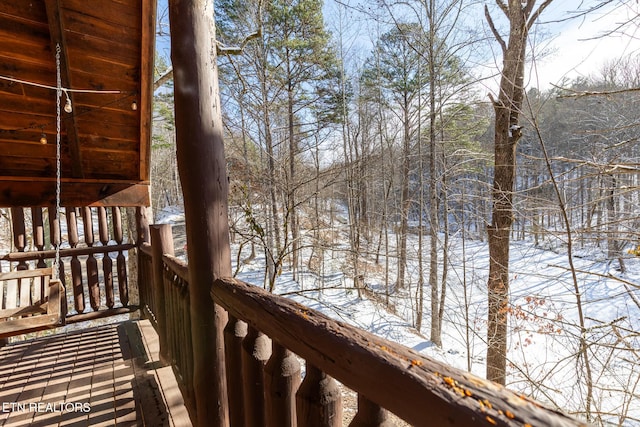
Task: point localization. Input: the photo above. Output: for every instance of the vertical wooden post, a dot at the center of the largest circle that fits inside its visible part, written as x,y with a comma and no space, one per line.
161,243
256,349
38,241
121,262
319,402
38,233
281,381
92,263
107,264
55,238
370,415
76,268
234,333
142,222
19,233
202,168
142,236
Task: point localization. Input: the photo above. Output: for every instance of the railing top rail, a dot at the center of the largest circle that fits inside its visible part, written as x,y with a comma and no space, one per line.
178,266
78,251
420,390
146,249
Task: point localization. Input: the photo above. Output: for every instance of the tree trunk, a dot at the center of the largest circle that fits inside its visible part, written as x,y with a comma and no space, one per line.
202,167
436,333
507,133
273,251
291,190
612,228
406,201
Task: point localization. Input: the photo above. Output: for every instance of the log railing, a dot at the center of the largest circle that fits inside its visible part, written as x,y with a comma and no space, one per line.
86,269
164,295
179,347
145,281
267,335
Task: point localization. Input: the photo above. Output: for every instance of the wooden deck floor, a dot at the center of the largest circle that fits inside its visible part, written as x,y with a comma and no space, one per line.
103,376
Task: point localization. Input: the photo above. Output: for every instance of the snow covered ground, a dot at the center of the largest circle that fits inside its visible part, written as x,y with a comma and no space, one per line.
544,343
545,359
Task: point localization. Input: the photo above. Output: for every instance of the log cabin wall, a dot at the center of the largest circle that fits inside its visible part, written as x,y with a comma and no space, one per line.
93,260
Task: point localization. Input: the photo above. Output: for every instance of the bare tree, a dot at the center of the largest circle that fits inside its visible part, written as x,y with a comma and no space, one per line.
521,16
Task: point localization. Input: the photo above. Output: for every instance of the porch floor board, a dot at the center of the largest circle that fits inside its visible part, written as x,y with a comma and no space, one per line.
108,375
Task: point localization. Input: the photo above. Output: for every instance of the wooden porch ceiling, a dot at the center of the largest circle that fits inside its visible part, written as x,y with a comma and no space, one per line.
105,45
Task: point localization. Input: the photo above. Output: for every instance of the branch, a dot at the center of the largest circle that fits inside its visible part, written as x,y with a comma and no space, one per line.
606,168
503,7
537,13
577,93
221,50
606,276
496,103
168,75
497,35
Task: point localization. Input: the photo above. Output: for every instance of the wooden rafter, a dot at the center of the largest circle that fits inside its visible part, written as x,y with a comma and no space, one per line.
16,191
56,31
146,89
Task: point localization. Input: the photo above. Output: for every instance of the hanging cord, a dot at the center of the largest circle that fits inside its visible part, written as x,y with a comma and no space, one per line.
56,262
66,90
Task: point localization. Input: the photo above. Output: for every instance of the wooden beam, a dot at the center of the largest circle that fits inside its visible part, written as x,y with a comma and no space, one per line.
56,29
51,253
38,308
202,167
23,274
21,192
146,84
10,328
93,315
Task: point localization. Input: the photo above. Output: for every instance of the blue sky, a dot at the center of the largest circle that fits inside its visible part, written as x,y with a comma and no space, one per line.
573,45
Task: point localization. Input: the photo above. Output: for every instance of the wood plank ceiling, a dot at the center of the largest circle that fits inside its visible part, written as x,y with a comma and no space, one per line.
105,45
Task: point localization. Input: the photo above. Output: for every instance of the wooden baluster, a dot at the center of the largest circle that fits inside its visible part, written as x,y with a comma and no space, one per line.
171,309
318,401
282,379
175,318
19,234
92,264
234,333
142,224
161,243
187,346
55,238
76,268
38,241
121,262
370,414
14,287
256,350
38,233
142,236
107,264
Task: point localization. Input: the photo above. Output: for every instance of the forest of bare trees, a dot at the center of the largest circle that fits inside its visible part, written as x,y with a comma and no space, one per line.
380,141
371,132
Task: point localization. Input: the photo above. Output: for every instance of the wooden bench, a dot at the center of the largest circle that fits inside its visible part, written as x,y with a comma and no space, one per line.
30,301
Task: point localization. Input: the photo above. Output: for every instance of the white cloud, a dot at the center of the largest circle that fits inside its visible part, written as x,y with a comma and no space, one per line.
582,46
